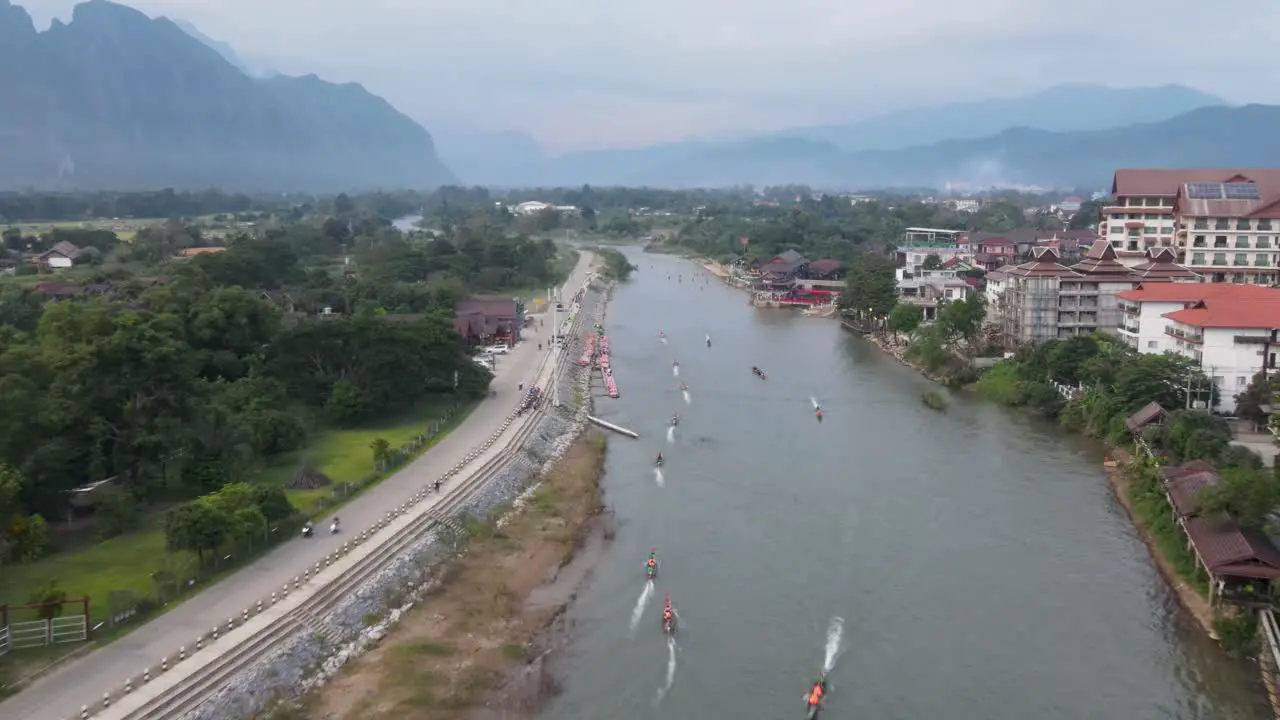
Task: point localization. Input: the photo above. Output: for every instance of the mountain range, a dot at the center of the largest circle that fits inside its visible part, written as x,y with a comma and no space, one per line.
1002,141
114,99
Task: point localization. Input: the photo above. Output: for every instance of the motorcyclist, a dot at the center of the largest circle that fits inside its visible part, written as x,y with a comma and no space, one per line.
659,458
306,529
335,522
675,419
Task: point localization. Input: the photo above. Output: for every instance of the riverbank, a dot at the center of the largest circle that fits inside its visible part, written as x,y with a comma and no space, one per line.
1164,544
1191,598
478,640
897,349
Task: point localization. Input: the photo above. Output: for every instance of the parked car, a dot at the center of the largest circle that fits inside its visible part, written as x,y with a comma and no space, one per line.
497,350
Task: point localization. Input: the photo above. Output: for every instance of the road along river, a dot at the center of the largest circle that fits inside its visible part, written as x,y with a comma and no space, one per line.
64,691
979,561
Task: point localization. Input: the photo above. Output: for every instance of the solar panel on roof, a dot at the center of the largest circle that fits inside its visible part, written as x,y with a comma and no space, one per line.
1204,191
1241,191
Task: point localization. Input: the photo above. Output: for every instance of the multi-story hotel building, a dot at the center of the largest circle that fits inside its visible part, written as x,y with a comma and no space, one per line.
1230,231
1142,215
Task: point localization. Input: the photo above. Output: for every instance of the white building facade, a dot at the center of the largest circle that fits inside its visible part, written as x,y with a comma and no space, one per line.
1230,331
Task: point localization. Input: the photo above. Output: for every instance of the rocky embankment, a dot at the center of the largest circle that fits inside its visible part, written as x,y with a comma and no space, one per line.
314,656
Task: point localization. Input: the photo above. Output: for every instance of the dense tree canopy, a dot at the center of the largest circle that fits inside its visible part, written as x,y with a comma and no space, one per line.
187,374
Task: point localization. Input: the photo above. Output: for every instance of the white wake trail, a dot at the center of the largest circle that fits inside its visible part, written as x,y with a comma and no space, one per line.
687,399
671,670
641,603
658,478
835,632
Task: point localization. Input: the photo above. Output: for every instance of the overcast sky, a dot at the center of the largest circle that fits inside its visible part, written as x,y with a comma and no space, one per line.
589,73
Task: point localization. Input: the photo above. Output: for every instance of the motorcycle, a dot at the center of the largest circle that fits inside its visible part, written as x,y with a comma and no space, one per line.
659,463
306,530
333,529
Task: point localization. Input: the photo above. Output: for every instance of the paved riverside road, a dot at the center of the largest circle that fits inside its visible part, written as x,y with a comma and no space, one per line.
61,693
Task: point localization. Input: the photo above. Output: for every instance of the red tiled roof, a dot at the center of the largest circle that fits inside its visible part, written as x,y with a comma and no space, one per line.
1225,312
1194,292
1044,264
1165,182
1162,266
825,265
1101,260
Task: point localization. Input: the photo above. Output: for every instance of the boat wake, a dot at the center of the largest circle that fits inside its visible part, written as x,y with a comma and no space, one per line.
687,399
835,632
675,370
814,400
671,434
658,478
671,670
663,340
641,603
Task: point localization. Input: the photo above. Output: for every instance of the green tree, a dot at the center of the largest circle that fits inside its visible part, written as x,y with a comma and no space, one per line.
1249,496
931,262
905,318
961,320
1088,216
870,288
1259,393
381,452
199,526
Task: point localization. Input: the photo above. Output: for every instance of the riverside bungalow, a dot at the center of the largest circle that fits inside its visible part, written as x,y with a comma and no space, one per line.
783,269
483,322
1241,563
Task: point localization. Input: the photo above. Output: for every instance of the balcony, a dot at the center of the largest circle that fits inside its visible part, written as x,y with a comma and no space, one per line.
1128,329
1199,242
1262,261
1201,225
1240,261
1219,261
1129,308
1264,225
1184,335
1222,225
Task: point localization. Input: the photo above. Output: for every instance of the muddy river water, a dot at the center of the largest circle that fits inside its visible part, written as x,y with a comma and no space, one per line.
981,566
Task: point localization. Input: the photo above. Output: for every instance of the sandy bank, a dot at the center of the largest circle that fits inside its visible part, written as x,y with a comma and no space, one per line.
475,645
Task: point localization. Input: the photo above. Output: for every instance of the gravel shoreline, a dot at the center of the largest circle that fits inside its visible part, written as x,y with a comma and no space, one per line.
311,658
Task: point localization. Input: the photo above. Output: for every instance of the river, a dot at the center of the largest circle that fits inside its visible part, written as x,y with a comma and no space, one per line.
981,565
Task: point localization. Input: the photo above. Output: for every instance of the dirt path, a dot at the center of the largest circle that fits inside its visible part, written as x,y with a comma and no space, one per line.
474,644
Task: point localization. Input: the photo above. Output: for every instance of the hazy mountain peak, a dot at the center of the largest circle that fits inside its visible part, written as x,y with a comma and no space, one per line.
179,113
223,49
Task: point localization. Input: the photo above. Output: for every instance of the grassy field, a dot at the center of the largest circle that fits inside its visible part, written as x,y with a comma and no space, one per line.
124,229
128,562
346,456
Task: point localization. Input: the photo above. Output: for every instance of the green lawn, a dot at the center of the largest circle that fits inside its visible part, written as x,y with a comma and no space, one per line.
121,563
346,456
128,562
